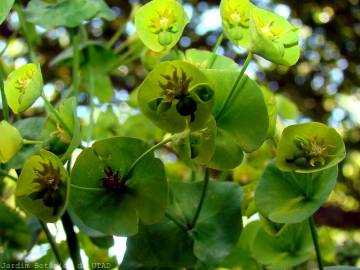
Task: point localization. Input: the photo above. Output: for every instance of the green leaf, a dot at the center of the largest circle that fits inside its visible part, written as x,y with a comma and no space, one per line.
288,249
185,88
289,197
241,256
68,13
23,86
210,241
160,24
95,200
273,37
309,147
286,108
235,16
104,242
270,101
5,8
42,189
201,59
30,129
11,141
339,267
14,232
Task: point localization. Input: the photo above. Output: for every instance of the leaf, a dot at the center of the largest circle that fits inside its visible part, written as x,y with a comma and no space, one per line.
273,37
23,86
339,267
160,24
30,129
68,13
5,8
235,16
94,201
214,236
270,101
288,249
309,147
176,83
11,141
286,108
289,197
14,232
42,189
241,256
202,58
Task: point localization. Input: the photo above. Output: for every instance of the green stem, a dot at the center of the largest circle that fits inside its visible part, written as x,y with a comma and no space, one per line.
176,221
202,198
75,61
116,36
56,114
91,91
5,174
214,55
315,242
150,150
236,84
24,27
25,141
72,241
52,244
5,107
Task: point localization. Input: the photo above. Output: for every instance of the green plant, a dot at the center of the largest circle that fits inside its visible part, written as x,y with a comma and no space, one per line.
196,104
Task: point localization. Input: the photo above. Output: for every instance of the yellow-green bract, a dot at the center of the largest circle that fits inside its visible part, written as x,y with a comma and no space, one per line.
235,15
273,37
160,24
23,86
10,141
309,147
42,188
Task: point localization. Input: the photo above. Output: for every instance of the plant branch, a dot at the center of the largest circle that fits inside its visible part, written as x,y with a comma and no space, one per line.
116,36
5,108
75,61
236,84
72,241
176,221
315,242
214,55
91,91
52,244
202,198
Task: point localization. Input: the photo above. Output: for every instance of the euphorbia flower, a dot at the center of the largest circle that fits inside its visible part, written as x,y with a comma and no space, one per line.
23,86
274,38
10,141
160,24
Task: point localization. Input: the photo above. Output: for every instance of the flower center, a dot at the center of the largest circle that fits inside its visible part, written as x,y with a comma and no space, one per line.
112,180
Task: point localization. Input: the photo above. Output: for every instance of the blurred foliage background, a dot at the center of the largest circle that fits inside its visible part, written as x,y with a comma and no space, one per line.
324,86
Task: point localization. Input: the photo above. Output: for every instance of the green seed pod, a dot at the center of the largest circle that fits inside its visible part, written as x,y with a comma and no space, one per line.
10,142
23,86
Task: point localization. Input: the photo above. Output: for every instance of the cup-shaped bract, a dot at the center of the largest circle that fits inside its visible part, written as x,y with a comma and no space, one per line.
309,147
42,188
23,86
235,16
176,95
273,37
10,141
160,24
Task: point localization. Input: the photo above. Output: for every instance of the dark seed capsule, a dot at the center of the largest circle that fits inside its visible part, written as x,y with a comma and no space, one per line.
186,106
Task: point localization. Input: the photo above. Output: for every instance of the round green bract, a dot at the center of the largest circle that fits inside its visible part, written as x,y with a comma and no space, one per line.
69,13
168,118
114,212
27,186
10,143
235,16
290,197
273,37
5,8
288,249
23,86
160,24
290,158
202,60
